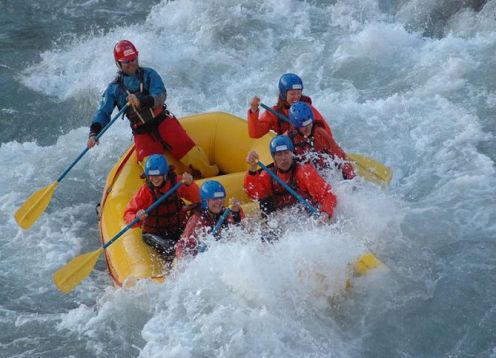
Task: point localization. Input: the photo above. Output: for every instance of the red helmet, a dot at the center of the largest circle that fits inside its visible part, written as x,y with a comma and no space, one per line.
124,50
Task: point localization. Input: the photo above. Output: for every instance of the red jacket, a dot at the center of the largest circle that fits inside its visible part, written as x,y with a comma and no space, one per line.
145,197
258,127
307,182
202,221
320,142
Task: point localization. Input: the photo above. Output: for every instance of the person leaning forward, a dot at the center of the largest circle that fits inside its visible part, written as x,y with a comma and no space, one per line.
302,178
312,143
154,128
206,217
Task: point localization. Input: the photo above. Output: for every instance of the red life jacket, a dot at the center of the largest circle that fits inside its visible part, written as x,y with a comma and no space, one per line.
203,219
305,146
209,219
280,197
170,216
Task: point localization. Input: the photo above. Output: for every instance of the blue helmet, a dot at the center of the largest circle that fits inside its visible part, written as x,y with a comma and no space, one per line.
211,189
300,115
156,165
289,81
281,143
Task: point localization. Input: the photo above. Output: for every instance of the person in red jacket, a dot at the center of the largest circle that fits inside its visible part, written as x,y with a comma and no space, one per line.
302,178
290,91
163,226
312,143
205,219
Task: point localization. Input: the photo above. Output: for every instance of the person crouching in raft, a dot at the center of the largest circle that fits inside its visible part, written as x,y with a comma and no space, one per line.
290,91
163,226
205,219
302,178
312,143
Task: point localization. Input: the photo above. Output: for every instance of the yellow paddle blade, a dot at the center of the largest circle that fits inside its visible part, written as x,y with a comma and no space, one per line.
367,262
68,277
36,204
362,266
371,169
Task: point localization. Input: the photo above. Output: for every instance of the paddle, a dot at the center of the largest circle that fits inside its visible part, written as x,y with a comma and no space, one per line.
298,197
221,221
36,204
368,168
71,275
202,247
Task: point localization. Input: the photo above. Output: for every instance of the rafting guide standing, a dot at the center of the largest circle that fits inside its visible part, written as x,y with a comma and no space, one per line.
154,127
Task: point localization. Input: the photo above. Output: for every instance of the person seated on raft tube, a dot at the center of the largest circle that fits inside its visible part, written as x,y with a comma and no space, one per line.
206,217
302,178
163,226
312,143
290,91
154,128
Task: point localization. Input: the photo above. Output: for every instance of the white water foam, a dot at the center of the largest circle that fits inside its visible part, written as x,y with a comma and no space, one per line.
422,105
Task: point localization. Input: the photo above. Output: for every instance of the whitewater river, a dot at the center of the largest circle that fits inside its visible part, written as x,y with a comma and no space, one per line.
411,83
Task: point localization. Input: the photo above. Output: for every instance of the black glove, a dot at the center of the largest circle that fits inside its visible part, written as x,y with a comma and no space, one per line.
95,128
236,216
145,100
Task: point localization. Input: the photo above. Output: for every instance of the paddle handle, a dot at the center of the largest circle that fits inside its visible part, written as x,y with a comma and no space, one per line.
150,208
97,137
281,116
312,210
202,246
221,221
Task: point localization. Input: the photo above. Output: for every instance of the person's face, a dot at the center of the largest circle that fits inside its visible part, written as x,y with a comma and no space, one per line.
307,130
283,159
215,205
293,95
129,67
156,180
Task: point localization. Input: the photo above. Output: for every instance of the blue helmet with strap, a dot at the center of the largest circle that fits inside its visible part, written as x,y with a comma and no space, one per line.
289,81
211,189
156,165
281,143
300,114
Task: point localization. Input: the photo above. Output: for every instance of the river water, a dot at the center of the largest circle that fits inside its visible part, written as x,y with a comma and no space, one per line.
411,83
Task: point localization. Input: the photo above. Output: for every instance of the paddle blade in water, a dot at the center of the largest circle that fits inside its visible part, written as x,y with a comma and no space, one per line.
73,273
367,262
36,204
371,169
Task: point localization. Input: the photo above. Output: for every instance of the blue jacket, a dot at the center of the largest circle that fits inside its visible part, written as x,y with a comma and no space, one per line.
116,96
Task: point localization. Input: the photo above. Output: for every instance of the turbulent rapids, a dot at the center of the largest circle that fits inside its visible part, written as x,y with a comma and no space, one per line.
410,83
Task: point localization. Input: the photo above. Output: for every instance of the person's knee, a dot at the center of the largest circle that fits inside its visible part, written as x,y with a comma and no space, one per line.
198,160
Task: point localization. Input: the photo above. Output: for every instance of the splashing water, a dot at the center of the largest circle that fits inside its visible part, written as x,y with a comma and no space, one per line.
410,83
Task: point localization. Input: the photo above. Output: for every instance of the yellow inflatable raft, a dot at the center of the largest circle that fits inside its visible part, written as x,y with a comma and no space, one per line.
224,138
